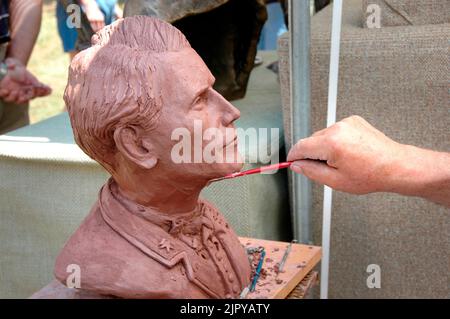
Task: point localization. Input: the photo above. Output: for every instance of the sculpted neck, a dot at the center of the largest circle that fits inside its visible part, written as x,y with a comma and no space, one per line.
161,194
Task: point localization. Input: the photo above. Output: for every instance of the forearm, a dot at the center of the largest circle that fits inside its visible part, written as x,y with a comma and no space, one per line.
25,24
423,173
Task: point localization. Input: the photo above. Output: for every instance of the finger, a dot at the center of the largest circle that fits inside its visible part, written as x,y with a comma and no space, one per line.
12,96
317,171
94,26
97,25
28,94
43,90
314,147
20,97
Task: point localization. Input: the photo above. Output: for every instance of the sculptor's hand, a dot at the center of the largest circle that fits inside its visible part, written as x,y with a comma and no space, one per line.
357,158
93,14
19,85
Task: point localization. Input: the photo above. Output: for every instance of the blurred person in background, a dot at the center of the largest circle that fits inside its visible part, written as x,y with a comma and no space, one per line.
274,26
98,13
20,21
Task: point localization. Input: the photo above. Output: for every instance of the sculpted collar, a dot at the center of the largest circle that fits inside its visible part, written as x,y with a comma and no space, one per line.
185,223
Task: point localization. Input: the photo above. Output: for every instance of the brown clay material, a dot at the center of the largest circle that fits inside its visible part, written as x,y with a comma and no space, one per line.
149,235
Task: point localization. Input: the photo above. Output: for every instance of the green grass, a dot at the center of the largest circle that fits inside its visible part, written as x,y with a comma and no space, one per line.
49,64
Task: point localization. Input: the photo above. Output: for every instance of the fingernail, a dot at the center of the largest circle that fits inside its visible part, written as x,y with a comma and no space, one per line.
297,168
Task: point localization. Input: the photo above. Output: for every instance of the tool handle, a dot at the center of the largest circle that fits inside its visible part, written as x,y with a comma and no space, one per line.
258,270
258,170
266,168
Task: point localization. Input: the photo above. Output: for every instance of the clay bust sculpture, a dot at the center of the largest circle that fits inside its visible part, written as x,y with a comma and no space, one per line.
149,235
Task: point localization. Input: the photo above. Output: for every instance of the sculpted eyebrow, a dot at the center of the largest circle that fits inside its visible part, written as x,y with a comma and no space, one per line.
202,91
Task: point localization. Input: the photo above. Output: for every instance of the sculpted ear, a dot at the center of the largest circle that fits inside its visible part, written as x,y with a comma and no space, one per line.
131,146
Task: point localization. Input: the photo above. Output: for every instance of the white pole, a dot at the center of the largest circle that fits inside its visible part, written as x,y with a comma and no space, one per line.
331,119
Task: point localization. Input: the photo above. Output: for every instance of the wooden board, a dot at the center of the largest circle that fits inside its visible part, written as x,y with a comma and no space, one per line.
299,263
305,288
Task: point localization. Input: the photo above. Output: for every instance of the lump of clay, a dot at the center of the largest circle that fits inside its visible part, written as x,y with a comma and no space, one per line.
149,235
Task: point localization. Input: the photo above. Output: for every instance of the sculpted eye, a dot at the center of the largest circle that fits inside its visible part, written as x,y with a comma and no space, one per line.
199,101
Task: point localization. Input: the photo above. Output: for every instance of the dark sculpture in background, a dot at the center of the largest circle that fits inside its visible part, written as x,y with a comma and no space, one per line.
224,33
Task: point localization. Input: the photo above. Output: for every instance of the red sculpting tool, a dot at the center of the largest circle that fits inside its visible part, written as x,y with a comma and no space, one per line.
258,170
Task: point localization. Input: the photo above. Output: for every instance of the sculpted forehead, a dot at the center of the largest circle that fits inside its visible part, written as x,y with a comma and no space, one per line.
184,72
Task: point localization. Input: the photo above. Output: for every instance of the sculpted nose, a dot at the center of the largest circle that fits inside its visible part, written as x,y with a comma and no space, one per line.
229,111
234,111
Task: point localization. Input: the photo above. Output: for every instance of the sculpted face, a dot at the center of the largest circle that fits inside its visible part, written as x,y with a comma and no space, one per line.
131,93
188,99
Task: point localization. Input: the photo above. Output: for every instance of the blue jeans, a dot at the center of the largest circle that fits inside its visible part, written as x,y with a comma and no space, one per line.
69,35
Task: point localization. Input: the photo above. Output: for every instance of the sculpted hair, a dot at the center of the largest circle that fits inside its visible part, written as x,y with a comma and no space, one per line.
111,83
